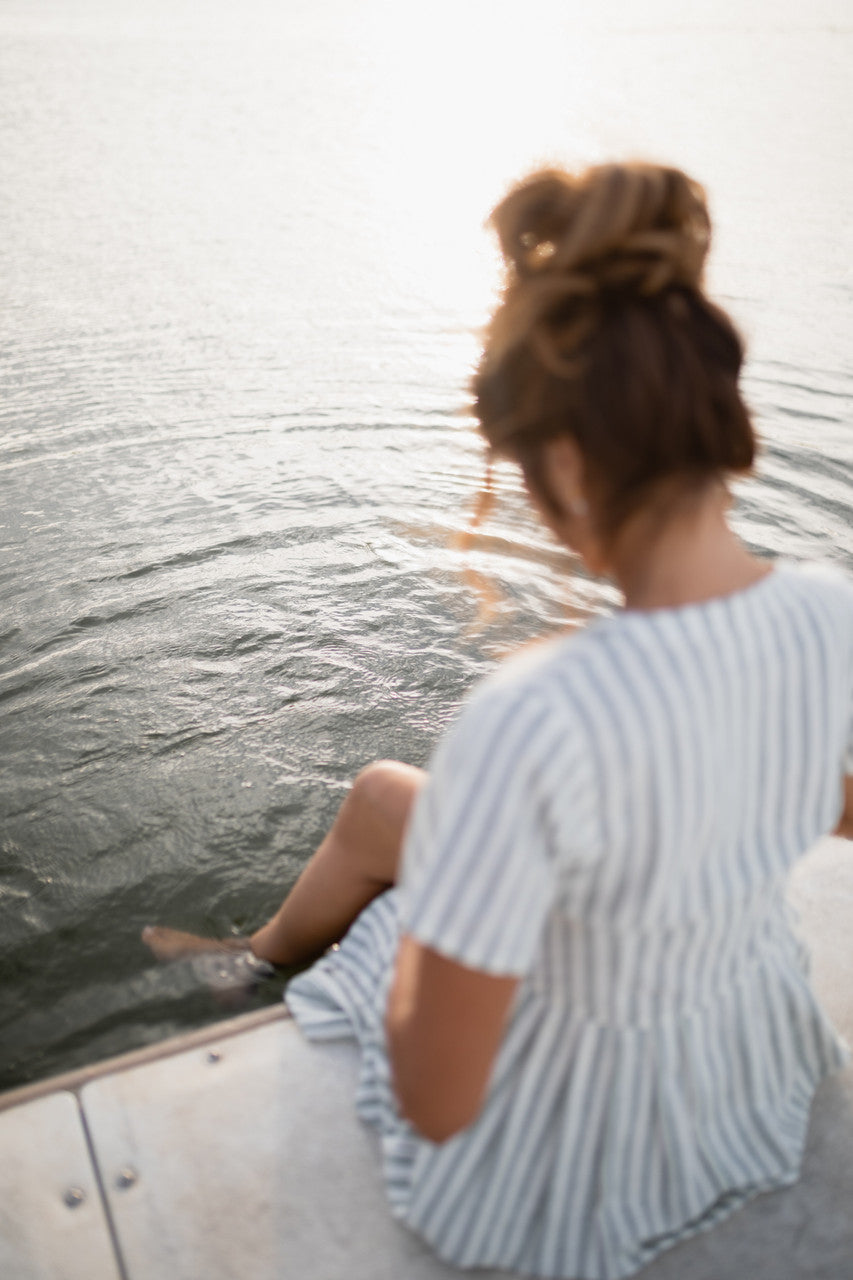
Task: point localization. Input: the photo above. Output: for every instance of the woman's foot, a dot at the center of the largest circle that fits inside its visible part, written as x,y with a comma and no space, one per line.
172,944
227,966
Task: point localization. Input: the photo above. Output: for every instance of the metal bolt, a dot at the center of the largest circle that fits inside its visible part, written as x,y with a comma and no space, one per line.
214,1056
74,1196
126,1178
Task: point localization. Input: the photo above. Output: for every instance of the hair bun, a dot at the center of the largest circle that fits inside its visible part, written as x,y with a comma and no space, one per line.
636,227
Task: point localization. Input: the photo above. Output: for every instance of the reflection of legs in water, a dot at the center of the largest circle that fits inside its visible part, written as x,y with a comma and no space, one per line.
356,861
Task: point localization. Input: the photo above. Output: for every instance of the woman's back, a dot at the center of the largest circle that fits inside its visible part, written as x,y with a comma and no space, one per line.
714,735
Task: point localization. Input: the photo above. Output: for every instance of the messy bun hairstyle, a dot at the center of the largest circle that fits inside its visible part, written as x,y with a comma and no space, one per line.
604,333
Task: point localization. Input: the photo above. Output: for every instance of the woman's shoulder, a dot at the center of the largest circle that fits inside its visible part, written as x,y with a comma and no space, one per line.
536,666
519,722
825,587
543,673
820,576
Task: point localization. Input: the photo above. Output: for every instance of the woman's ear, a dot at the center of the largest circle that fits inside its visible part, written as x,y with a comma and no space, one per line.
569,515
564,468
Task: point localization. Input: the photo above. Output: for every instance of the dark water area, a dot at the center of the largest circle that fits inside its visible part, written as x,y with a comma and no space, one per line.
244,267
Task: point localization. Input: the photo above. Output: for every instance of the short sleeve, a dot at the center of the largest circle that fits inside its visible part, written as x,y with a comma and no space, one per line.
477,879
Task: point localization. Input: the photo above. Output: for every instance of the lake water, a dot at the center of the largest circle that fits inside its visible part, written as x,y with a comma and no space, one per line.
243,265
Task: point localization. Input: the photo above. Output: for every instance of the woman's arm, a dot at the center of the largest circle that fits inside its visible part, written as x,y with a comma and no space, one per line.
845,822
444,1024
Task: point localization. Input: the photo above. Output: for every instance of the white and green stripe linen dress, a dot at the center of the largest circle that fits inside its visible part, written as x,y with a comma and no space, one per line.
612,819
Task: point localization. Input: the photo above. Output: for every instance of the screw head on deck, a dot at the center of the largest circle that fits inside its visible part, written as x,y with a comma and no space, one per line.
214,1056
126,1178
74,1196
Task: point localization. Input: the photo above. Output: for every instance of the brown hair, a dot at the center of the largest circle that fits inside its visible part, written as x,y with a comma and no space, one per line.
604,333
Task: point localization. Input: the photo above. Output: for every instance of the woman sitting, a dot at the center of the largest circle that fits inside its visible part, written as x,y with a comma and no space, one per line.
585,1022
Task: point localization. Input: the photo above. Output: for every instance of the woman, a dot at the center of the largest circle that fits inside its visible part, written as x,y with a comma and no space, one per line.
585,1023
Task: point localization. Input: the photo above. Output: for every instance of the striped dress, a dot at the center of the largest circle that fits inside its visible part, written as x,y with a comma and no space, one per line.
612,819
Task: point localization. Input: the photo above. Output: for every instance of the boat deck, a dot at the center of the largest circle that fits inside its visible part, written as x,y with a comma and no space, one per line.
235,1151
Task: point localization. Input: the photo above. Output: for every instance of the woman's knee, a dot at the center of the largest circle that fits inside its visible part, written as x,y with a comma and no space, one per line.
384,791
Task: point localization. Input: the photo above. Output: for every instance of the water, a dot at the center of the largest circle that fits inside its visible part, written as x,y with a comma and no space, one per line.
244,265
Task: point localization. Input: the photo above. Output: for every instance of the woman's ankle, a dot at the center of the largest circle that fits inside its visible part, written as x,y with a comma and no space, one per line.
266,944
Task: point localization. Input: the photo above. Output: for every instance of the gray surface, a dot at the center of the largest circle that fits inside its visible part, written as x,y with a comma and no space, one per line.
253,1164
43,1157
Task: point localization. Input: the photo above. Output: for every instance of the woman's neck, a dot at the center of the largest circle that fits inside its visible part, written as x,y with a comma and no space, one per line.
685,556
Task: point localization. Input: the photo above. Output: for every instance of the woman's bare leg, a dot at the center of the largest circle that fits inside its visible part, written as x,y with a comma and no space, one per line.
356,861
